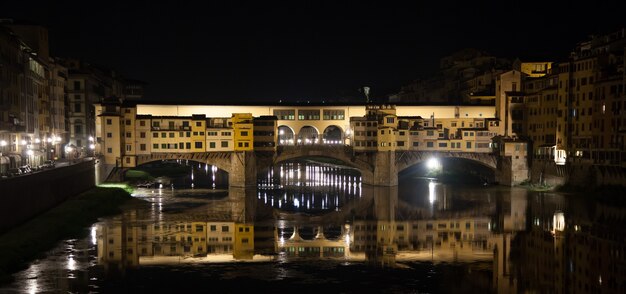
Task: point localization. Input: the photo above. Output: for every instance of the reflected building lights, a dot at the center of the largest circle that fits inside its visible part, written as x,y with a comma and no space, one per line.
32,286
71,263
432,196
94,239
311,181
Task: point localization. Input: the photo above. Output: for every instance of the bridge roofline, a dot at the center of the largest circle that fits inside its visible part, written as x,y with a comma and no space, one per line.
290,104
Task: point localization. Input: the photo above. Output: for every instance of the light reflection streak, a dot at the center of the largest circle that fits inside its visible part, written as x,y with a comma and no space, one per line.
71,263
94,239
32,286
318,180
432,196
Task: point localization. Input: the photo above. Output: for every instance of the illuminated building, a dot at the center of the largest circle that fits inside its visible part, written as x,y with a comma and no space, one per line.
243,131
31,107
463,129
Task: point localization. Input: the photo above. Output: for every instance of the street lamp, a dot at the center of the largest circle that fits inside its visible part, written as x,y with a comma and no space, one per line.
3,143
92,145
30,154
70,152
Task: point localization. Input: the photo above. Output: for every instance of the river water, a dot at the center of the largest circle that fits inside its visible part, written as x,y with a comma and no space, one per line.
312,227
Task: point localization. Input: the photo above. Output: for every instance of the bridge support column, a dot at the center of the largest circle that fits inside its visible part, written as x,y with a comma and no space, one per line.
243,169
511,171
385,170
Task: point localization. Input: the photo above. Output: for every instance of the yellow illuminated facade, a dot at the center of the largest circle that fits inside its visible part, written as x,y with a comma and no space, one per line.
243,132
536,69
219,134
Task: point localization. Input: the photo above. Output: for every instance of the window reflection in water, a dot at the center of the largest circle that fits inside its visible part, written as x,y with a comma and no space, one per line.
308,187
505,239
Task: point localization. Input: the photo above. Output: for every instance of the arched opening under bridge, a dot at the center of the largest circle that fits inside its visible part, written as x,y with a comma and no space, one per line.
177,173
286,136
332,135
308,135
450,170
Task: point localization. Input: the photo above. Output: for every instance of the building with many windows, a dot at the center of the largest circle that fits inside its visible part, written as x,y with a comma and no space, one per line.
32,99
573,109
381,129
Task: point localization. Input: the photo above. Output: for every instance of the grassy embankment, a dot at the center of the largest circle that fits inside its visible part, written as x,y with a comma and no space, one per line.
70,219
538,187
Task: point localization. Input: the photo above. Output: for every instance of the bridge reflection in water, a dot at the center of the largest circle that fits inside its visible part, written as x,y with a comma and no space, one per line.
506,239
303,210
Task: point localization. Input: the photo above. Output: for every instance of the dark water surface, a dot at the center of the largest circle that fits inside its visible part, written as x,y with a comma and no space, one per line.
315,228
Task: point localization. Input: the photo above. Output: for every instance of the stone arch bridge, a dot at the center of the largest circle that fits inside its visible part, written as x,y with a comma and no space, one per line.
377,168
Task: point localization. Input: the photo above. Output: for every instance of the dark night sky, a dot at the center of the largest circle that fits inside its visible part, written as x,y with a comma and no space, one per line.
302,50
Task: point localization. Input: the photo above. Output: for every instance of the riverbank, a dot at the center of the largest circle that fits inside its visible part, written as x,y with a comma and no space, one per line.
611,193
538,187
70,219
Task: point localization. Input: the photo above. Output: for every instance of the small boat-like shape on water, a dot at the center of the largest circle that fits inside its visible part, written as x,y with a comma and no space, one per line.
146,184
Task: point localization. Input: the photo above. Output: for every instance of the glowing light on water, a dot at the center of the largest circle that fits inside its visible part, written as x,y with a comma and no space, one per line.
296,202
94,239
71,263
32,286
432,195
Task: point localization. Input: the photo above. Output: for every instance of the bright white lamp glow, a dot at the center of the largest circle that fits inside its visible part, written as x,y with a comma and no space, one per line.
30,152
37,141
558,222
23,142
432,163
92,146
3,143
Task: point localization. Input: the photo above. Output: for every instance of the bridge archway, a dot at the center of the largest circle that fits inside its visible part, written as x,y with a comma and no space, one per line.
308,135
481,165
286,135
181,173
219,159
341,153
333,135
